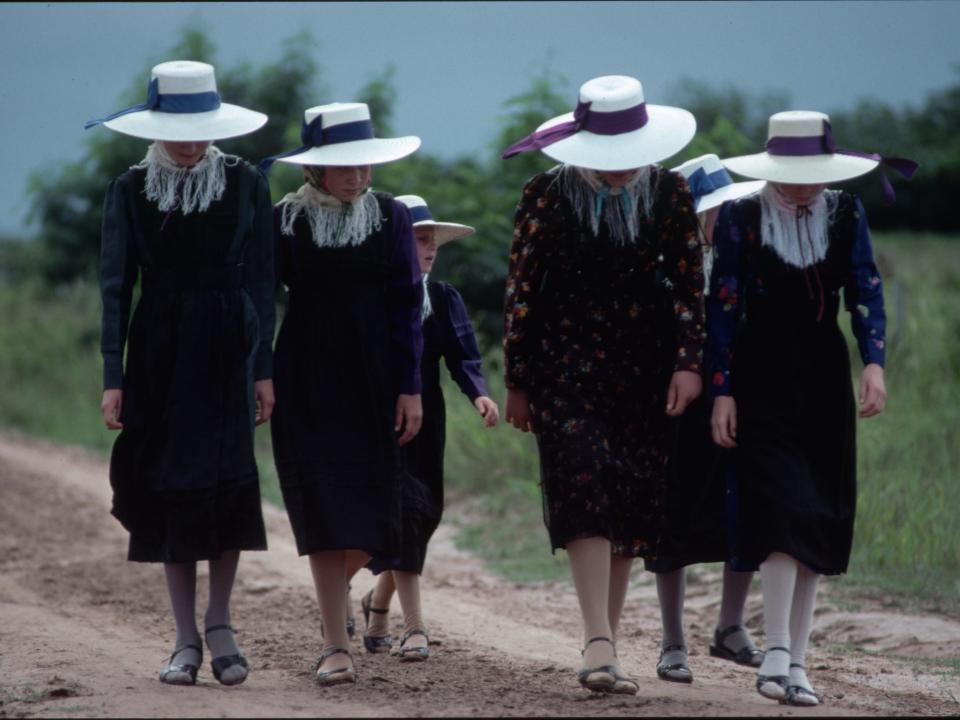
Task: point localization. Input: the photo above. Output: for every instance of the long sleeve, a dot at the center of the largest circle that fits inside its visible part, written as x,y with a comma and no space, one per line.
259,278
405,301
723,301
527,267
118,275
683,266
460,350
863,295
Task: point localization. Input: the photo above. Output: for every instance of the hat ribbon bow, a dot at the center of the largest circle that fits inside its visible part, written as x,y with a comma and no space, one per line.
825,144
180,103
702,183
599,123
313,134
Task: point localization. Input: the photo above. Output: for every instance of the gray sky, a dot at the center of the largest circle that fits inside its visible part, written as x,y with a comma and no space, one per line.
64,63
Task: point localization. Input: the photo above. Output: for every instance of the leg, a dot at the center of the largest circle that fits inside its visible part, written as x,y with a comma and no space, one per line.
590,567
415,641
230,667
182,586
329,571
376,636
619,583
671,588
730,638
356,559
778,574
801,623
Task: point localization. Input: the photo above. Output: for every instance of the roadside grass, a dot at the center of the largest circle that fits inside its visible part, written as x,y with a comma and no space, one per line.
907,540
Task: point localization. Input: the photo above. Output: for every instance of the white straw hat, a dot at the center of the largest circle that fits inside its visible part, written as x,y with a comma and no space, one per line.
800,150
711,184
183,105
612,129
342,134
444,232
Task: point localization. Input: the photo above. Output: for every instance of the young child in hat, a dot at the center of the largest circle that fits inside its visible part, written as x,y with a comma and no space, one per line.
194,225
447,334
783,397
347,360
598,350
694,518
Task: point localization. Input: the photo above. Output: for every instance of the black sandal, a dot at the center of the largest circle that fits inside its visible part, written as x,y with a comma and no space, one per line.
598,685
747,655
190,670
664,671
414,654
220,664
779,683
374,643
326,677
796,693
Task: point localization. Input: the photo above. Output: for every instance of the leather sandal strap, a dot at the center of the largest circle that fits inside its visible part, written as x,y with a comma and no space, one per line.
410,633
595,639
188,646
781,649
219,627
799,665
671,648
727,632
367,603
334,651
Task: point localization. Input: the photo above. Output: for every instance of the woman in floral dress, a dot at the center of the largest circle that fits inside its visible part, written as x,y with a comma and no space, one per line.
604,337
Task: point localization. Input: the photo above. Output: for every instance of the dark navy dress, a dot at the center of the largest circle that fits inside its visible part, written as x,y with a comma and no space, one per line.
350,342
182,469
777,349
447,334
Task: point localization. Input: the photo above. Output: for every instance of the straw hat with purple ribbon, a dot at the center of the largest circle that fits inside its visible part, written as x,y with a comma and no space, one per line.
711,184
801,150
342,134
183,105
612,129
444,232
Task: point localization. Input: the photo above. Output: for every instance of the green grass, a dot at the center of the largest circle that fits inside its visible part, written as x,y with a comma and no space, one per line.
908,517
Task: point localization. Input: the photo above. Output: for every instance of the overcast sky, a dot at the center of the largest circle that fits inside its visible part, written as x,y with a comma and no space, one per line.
64,63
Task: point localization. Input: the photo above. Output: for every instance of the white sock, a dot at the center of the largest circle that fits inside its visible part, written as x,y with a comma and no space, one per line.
801,623
182,586
736,585
671,587
222,642
778,574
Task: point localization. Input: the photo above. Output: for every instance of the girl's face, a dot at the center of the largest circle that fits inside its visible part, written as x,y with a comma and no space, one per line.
426,247
187,153
799,194
346,182
616,178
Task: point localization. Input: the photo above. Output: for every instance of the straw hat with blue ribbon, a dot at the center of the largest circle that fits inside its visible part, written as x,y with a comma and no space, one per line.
183,105
801,150
444,232
711,184
342,134
612,129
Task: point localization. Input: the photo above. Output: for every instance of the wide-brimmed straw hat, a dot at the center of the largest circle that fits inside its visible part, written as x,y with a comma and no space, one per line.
801,150
612,128
183,105
711,184
444,232
342,134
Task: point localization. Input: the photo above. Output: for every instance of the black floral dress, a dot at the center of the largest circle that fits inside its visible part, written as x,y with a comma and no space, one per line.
593,332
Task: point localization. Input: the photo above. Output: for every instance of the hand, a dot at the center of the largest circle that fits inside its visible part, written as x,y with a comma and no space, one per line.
684,388
263,392
873,392
488,410
723,424
110,408
409,417
518,409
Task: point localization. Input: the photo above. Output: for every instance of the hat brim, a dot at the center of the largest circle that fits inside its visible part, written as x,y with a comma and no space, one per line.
667,132
444,232
729,192
226,121
373,151
801,169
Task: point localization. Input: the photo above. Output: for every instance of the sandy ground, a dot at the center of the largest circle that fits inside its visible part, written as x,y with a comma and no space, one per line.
83,633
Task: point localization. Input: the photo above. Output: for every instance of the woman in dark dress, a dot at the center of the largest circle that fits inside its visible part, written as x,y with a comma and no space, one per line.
783,397
194,225
598,350
447,334
347,360
694,522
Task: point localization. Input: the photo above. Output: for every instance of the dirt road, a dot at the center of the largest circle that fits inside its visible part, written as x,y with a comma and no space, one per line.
83,633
